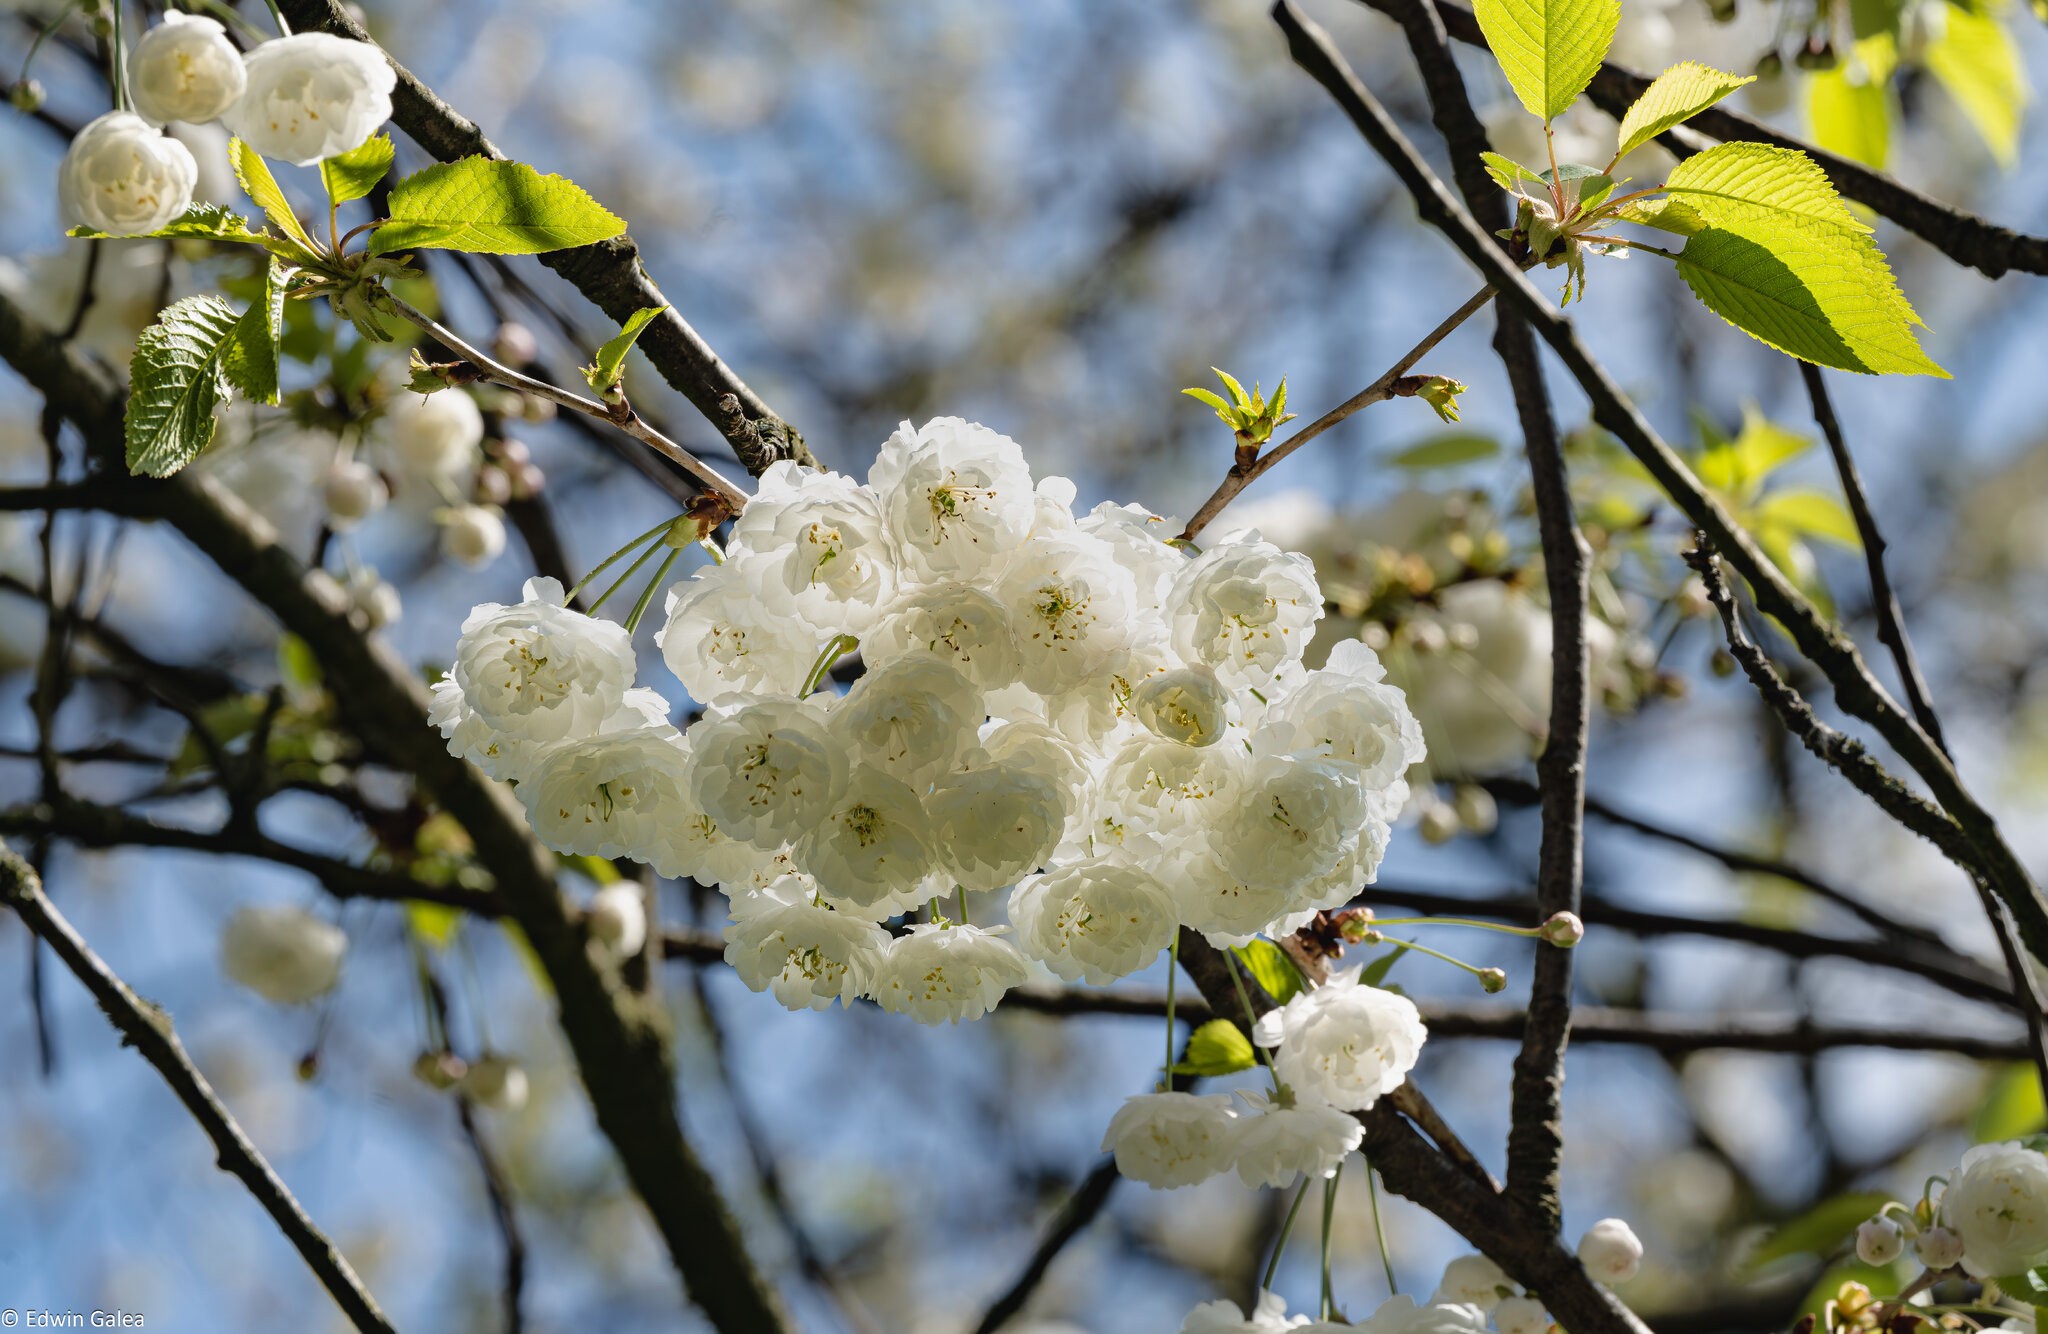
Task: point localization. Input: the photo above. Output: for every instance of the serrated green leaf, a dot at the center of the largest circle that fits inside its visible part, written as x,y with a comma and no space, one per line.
1666,215
175,381
251,353
1448,451
1849,117
203,222
262,188
493,208
1549,49
604,373
2011,1108
1808,512
1237,393
1218,1047
1818,1231
1518,180
1270,965
1978,65
1674,97
352,175
1737,180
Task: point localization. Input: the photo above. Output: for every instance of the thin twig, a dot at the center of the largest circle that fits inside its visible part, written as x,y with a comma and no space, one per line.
1389,385
1075,1213
148,1029
625,418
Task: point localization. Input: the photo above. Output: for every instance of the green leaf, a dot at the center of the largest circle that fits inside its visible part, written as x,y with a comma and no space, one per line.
1375,973
1782,259
603,375
297,665
1448,451
1809,512
491,208
1674,97
1819,1231
1218,1047
1270,965
1518,180
2011,1108
175,381
1850,118
204,222
1549,49
261,187
1666,215
250,356
434,923
352,175
1738,467
1976,62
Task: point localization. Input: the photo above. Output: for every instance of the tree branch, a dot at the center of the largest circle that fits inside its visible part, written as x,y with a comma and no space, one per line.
148,1029
608,273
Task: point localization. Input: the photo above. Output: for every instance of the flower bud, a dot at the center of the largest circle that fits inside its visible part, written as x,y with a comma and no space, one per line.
1611,1251
27,95
496,1083
1439,823
125,177
185,69
472,535
1563,929
1520,1315
493,487
285,955
375,598
618,918
353,493
441,1070
1476,809
1939,1248
1493,980
1879,1241
515,345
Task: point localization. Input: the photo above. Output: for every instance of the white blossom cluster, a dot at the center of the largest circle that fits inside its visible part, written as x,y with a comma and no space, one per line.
299,99
1119,728
1991,1218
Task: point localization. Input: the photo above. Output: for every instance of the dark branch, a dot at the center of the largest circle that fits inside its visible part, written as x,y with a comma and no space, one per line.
1078,1210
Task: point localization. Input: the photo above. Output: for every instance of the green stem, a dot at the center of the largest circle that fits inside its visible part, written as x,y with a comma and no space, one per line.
647,593
118,51
1251,1019
1379,1229
1473,969
835,648
1286,1230
1329,1216
49,30
1501,927
277,16
1172,968
961,902
615,557
620,582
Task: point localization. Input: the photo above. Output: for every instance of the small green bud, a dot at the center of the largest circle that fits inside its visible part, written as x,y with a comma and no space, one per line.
1492,980
27,94
1563,929
1441,393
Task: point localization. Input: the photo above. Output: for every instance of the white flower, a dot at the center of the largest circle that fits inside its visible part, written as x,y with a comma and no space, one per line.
1610,1251
1343,1043
1483,695
955,621
1879,1241
1245,607
1073,606
1290,822
1280,1144
814,546
617,917
807,954
1473,1280
1173,1139
914,718
1520,1315
537,671
285,955
1997,1202
434,435
995,823
766,770
956,496
1186,704
872,844
1216,903
613,795
1095,920
1345,711
353,492
311,96
472,535
1138,539
719,638
1160,786
123,176
1401,1315
495,1083
1031,745
1221,1317
943,974
1938,1248
185,68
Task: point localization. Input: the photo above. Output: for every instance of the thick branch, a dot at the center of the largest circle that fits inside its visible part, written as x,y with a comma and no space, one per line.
620,1040
609,273
148,1029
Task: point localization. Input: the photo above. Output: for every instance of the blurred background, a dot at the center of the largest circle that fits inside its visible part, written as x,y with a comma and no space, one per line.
1051,217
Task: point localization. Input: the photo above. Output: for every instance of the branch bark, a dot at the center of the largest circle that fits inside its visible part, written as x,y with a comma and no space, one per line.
148,1029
